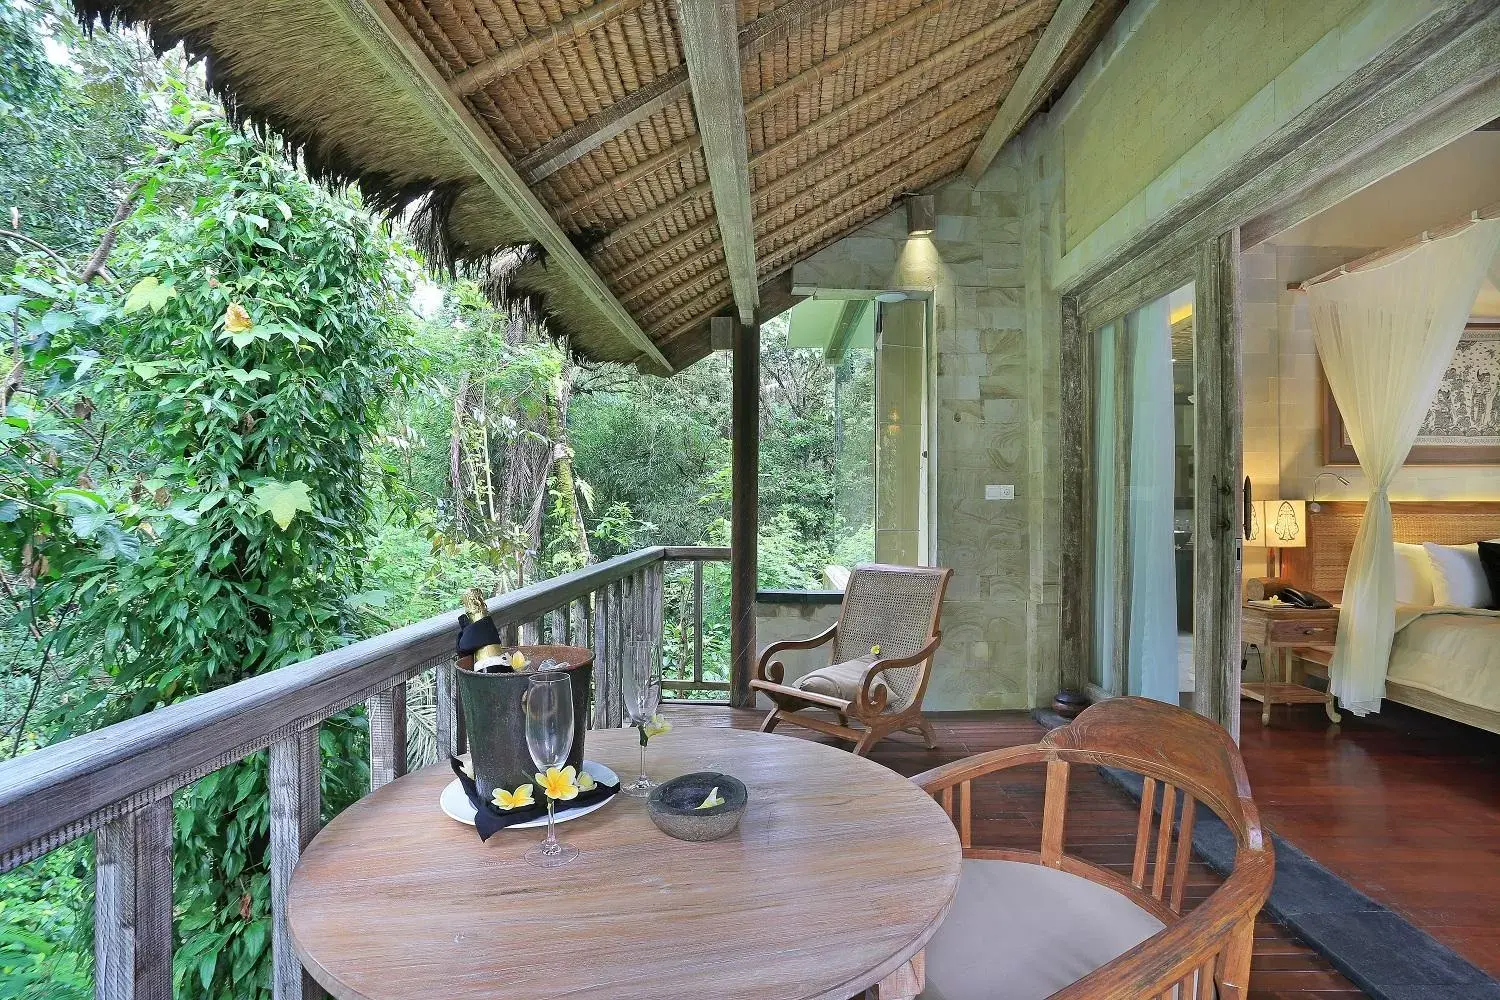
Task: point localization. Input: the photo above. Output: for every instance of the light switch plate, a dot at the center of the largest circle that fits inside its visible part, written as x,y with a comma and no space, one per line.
1000,492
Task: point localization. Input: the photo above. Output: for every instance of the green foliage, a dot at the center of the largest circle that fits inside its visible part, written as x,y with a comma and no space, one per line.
65,138
38,918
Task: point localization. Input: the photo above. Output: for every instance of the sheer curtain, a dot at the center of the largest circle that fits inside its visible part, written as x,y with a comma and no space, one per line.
1153,593
1385,336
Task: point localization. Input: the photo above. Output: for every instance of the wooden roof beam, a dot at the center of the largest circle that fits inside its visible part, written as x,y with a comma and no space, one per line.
373,23
593,132
1060,30
710,45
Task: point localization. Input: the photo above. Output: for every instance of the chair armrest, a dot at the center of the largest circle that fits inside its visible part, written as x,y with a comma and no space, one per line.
873,694
772,671
959,771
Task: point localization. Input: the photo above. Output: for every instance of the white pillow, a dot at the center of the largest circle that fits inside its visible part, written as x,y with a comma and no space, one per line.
1458,579
1414,575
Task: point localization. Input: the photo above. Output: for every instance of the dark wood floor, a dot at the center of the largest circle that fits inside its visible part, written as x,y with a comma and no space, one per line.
1404,805
1101,827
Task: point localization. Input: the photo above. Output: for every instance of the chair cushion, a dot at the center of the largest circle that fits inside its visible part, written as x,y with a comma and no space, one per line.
1019,931
841,680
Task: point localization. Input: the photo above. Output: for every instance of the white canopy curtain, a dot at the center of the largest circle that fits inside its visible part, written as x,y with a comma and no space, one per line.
1385,335
1152,670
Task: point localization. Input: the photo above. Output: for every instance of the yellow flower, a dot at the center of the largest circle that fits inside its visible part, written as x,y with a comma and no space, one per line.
236,319
586,782
468,769
559,784
657,726
874,650
517,661
714,799
518,799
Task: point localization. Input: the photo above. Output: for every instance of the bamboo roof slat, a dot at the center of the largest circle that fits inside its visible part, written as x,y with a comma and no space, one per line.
571,28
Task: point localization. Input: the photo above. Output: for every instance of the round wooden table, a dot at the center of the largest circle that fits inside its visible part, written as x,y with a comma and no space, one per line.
839,873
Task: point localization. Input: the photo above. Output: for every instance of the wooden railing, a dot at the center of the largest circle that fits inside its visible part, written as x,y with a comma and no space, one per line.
118,782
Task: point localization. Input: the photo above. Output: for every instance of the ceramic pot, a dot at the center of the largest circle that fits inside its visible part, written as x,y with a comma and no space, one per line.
495,715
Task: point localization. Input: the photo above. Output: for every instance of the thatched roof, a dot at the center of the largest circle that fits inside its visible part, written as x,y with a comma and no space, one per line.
572,126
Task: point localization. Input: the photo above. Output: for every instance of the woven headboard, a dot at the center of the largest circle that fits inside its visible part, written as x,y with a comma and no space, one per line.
1330,535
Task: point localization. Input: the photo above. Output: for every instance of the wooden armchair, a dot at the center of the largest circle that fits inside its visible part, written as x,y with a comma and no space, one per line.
892,608
1045,923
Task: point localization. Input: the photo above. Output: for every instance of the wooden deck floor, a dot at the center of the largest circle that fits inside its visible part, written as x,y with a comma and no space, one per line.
1404,805
1101,827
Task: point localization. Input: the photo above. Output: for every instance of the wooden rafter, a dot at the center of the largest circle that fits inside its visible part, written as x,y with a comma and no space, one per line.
534,47
710,46
590,134
836,117
622,181
1060,30
376,27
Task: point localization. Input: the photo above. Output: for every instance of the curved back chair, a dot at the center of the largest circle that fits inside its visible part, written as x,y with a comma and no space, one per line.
892,609
1029,924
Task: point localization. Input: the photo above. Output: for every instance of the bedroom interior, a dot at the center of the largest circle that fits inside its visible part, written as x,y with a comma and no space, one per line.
1429,749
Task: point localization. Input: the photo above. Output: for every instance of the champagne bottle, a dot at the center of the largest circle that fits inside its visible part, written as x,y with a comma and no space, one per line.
490,657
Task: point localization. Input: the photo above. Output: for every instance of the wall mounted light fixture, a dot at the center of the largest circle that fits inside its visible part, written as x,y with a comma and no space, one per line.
921,214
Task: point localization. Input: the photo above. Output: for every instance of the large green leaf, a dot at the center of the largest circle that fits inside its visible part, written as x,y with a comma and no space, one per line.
282,500
148,293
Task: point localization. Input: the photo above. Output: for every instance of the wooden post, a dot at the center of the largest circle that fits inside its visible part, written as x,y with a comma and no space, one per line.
133,905
697,621
386,713
296,806
1217,377
1076,527
745,511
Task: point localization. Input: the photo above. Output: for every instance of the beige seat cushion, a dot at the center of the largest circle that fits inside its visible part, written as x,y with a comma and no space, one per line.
841,680
1023,932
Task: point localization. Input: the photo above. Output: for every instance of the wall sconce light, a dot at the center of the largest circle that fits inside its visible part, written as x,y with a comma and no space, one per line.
921,214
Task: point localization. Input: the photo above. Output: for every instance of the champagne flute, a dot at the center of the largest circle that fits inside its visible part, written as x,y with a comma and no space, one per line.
642,699
549,738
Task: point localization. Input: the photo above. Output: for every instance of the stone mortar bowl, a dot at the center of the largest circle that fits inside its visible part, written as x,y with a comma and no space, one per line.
674,806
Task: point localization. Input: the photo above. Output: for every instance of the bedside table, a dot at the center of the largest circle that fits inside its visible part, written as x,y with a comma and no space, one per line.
1277,632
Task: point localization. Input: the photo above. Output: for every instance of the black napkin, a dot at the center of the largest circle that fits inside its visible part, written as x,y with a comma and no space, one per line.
473,636
488,819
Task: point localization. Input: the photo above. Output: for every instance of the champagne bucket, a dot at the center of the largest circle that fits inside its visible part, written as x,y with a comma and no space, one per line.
495,715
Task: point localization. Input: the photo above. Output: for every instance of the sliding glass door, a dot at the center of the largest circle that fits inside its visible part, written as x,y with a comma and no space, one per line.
1143,501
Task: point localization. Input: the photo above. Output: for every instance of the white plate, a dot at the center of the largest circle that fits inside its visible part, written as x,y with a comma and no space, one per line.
457,805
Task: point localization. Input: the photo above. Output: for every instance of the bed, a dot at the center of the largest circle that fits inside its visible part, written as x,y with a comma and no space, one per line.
1444,660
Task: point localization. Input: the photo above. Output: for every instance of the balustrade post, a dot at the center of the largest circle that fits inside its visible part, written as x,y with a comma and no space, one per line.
450,720
559,632
601,657
296,808
697,621
133,905
386,713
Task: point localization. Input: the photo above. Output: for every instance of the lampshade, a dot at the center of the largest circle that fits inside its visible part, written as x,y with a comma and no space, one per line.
1284,523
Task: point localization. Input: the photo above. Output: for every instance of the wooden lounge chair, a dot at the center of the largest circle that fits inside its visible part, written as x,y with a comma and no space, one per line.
892,608
1034,924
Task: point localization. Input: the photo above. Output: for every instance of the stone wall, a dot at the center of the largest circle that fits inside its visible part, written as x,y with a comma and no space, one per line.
992,420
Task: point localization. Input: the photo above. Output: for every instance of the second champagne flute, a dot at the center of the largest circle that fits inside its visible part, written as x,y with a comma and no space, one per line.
642,699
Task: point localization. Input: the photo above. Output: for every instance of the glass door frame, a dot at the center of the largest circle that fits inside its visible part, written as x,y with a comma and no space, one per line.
1213,269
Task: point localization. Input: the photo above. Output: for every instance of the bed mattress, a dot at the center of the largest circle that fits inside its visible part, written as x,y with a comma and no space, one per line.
1453,652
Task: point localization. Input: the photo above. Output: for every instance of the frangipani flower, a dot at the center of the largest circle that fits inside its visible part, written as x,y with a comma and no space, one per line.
714,799
656,727
518,799
560,784
586,782
236,319
874,650
516,661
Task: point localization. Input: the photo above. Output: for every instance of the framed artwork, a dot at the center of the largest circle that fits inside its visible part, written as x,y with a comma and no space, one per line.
1462,425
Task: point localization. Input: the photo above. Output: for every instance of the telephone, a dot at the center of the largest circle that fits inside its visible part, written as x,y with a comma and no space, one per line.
1302,599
